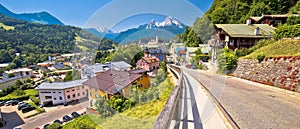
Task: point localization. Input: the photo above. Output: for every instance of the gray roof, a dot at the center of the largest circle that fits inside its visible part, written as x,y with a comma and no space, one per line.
119,65
60,85
247,31
97,68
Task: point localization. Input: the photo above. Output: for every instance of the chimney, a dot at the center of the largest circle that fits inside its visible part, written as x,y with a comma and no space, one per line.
256,31
248,22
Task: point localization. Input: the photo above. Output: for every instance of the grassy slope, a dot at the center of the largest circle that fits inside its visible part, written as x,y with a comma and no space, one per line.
5,27
141,116
279,48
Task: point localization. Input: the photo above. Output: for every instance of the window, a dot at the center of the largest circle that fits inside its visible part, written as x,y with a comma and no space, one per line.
68,97
82,87
59,92
68,91
83,93
53,92
48,97
73,89
60,98
78,94
74,95
45,92
54,98
140,85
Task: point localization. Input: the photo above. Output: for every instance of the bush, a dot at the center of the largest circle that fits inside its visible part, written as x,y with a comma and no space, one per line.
200,66
293,20
287,31
34,99
261,56
104,108
54,126
243,52
226,60
23,97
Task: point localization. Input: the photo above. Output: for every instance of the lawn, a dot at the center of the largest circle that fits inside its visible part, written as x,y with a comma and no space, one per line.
142,116
5,27
279,48
29,92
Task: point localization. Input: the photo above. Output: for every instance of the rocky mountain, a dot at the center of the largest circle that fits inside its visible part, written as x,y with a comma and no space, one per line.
165,30
41,17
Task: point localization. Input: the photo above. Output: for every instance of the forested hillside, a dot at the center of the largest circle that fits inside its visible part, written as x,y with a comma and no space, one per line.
237,12
36,41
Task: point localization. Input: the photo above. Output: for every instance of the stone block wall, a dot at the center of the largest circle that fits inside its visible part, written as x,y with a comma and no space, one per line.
282,72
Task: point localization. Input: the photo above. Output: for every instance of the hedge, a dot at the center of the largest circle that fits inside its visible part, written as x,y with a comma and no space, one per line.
23,97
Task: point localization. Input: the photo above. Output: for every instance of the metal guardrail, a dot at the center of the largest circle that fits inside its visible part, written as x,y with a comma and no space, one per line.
170,110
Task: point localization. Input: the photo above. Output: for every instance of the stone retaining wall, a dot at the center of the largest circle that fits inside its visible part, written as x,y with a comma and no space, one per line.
281,72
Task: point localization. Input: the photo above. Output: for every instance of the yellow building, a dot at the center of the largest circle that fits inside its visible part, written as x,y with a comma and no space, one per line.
113,82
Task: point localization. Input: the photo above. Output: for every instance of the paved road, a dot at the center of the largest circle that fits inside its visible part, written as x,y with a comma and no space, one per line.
197,111
252,106
50,116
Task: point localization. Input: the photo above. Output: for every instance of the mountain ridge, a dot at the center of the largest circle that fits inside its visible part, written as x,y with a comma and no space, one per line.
166,29
38,17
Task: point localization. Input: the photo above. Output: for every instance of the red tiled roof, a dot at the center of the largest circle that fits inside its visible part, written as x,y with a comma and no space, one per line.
182,52
138,71
151,59
112,81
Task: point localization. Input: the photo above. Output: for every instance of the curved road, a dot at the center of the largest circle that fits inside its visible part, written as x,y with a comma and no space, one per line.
252,106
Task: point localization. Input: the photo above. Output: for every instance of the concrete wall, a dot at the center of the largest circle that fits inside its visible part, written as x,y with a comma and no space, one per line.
282,72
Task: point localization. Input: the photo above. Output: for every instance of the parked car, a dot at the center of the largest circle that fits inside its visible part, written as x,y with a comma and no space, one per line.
75,114
27,109
46,126
22,102
12,102
2,103
67,118
205,59
58,121
20,107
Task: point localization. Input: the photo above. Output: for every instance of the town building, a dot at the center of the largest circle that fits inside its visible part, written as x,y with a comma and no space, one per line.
93,70
148,62
159,52
61,92
271,20
10,77
242,35
120,65
114,82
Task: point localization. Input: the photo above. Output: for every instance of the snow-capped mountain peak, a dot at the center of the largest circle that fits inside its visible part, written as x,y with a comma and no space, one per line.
169,21
106,30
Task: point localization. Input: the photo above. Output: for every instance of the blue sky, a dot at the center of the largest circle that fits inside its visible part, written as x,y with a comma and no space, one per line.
117,14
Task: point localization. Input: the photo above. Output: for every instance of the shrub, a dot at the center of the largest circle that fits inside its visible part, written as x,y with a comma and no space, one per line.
34,99
200,66
226,60
261,56
54,126
104,108
243,52
287,31
23,97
